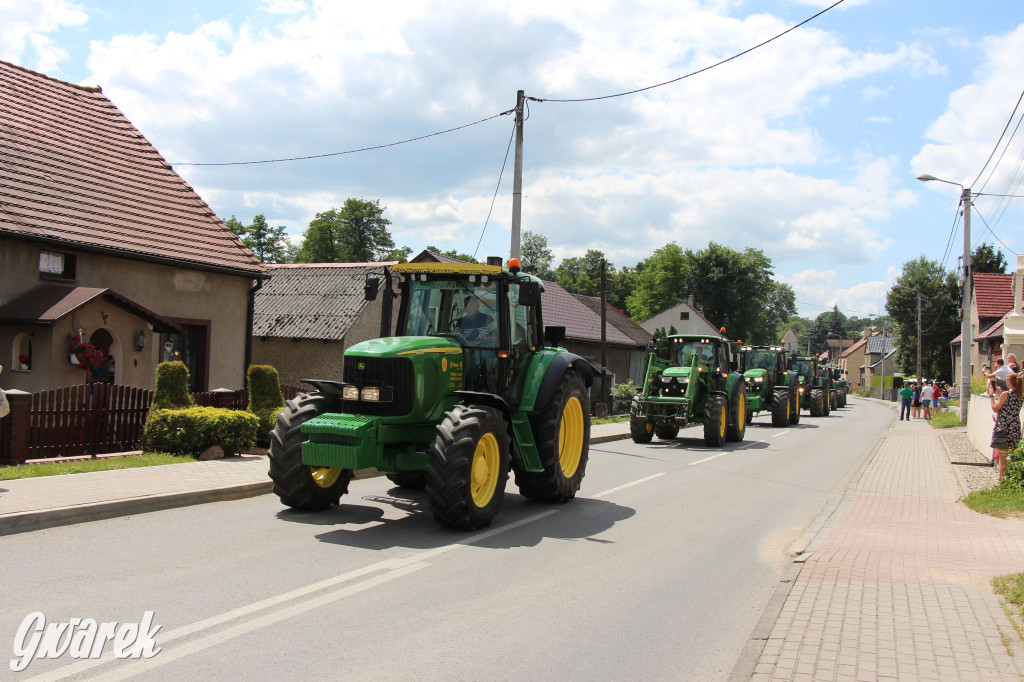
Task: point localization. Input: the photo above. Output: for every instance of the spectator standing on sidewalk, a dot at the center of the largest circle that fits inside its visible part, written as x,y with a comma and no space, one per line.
917,402
906,396
926,399
1000,374
1006,432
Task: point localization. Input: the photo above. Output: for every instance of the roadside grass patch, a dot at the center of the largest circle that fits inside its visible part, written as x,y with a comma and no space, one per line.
945,420
84,465
611,420
1011,589
1004,503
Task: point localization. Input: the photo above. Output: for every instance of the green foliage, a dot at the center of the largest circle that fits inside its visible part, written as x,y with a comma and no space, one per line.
453,253
171,387
399,255
987,259
978,385
265,400
1013,478
622,394
583,275
658,282
939,319
1001,502
81,466
535,257
1011,589
862,392
945,420
270,244
194,429
355,233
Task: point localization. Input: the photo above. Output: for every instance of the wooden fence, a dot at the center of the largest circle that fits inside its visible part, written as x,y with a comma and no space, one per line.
90,420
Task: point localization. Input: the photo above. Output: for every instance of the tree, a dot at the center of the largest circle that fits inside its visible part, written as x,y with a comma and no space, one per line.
832,322
939,320
535,257
583,275
658,282
355,233
400,255
987,259
269,244
453,253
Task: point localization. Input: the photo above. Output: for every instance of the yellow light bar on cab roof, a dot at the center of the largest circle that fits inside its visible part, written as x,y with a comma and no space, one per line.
448,268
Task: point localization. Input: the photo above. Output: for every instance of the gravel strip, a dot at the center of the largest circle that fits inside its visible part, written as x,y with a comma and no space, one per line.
960,449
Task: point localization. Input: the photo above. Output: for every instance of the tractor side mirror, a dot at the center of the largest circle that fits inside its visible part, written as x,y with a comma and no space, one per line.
554,335
652,346
370,288
529,293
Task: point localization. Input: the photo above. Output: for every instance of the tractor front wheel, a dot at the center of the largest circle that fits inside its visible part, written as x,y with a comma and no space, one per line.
817,399
715,420
411,480
562,433
794,404
780,408
641,430
298,485
468,467
738,411
666,431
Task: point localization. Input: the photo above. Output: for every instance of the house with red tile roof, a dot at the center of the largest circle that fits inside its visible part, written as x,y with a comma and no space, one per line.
684,317
100,239
991,300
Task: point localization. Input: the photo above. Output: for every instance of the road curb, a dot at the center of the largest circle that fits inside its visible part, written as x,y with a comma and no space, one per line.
25,522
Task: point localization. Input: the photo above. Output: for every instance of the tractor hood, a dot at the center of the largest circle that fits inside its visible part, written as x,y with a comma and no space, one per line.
405,345
755,373
674,372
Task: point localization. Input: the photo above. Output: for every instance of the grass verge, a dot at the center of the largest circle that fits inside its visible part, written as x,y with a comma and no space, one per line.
84,465
945,420
1000,502
1011,589
611,420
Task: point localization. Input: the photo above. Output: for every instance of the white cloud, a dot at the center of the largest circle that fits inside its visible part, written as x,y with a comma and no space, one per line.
23,30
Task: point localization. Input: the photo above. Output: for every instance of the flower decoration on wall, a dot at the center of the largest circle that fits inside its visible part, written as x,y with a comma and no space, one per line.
25,362
83,354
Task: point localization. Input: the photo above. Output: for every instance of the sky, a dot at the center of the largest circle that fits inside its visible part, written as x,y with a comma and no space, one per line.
807,148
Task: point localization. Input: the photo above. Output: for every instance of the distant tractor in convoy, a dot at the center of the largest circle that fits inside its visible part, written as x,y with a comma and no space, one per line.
770,386
463,392
815,385
691,379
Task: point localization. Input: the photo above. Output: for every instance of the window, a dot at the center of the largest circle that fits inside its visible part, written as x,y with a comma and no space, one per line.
22,346
189,347
53,265
684,315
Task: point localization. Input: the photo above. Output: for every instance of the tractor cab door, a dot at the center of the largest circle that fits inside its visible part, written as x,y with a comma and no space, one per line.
524,333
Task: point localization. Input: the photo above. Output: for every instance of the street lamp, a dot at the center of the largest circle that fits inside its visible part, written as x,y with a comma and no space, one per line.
965,320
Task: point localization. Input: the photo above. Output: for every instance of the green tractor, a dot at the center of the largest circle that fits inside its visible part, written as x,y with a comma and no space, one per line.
770,386
840,384
463,392
691,379
815,386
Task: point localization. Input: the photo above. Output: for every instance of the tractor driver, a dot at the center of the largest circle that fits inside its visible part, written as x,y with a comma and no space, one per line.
479,329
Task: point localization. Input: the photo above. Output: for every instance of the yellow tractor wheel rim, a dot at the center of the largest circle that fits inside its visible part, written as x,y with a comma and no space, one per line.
649,426
483,477
570,437
741,418
325,477
721,422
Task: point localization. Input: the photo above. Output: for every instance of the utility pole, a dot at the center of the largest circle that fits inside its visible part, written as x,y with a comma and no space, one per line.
884,344
965,313
604,347
919,336
517,177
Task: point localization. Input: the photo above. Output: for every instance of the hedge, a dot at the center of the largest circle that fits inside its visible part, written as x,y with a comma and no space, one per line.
171,387
192,430
265,400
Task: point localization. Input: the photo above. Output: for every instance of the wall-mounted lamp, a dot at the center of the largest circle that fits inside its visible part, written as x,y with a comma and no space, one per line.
140,340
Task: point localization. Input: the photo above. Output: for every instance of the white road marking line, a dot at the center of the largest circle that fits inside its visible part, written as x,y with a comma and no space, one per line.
781,432
616,489
708,459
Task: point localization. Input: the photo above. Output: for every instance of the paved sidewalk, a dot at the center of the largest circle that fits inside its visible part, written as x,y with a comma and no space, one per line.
897,585
29,504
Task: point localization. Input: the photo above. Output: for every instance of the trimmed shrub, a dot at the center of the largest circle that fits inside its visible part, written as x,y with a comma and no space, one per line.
265,400
1013,475
194,429
171,387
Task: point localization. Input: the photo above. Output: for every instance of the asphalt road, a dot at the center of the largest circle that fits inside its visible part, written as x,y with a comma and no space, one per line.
659,570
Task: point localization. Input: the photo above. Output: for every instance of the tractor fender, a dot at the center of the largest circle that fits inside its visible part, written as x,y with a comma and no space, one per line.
498,403
553,374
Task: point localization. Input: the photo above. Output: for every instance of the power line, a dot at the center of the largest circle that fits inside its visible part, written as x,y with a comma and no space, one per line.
1005,128
496,188
350,151
698,71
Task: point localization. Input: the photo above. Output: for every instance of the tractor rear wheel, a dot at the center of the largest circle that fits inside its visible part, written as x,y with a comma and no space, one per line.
468,467
641,430
716,419
562,433
835,399
826,402
413,480
842,398
738,412
780,407
817,403
298,485
666,431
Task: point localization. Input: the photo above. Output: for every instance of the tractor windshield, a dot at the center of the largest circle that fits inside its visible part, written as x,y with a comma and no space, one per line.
683,352
453,307
805,368
759,359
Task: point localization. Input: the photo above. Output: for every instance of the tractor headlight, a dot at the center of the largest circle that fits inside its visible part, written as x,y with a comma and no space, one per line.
681,380
801,389
666,380
371,394
350,392
758,380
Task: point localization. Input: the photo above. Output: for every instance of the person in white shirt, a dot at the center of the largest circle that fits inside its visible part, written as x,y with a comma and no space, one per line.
926,399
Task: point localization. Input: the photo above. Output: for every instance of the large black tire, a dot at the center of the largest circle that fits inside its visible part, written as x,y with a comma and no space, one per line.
468,467
716,419
412,480
842,398
826,398
641,430
666,431
561,430
794,402
737,412
780,407
298,485
817,399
